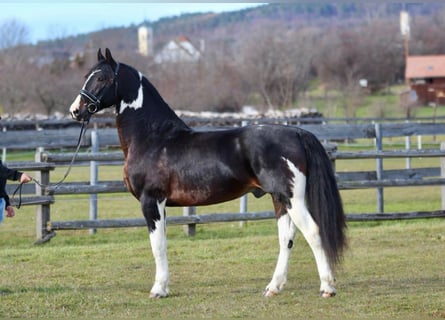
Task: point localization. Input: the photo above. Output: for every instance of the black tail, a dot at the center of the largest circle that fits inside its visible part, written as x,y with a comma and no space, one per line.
323,198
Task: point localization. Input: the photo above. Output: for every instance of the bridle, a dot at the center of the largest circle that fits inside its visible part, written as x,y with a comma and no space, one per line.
94,101
93,107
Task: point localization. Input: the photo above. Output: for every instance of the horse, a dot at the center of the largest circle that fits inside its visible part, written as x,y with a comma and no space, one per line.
167,163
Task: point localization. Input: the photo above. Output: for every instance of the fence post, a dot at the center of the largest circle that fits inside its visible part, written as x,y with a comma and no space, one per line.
407,147
4,149
243,208
43,211
442,173
94,177
379,166
189,229
243,199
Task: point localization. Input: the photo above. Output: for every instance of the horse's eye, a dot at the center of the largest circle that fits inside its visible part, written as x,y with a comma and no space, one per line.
100,78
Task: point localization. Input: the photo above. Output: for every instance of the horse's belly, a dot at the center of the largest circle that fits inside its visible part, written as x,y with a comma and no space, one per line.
206,195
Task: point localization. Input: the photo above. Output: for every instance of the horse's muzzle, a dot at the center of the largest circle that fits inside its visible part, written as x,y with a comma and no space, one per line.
77,112
75,115
80,116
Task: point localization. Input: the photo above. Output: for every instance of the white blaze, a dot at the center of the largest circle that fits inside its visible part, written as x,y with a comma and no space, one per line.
75,105
89,77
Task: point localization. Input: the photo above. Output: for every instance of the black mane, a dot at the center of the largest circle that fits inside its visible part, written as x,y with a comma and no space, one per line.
156,116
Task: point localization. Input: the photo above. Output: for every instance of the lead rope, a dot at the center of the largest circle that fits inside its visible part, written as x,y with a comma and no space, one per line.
83,130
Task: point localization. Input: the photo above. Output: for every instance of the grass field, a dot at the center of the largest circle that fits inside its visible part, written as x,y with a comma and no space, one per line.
391,270
384,104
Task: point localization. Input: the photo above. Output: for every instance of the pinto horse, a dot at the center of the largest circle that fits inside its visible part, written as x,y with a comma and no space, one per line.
168,163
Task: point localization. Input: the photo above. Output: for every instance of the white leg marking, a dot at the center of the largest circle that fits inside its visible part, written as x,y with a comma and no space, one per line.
158,240
303,220
286,234
136,103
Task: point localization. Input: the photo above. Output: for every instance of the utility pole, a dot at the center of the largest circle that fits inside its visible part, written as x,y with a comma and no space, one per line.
405,31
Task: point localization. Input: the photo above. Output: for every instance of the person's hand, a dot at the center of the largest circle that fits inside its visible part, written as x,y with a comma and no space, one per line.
10,212
25,178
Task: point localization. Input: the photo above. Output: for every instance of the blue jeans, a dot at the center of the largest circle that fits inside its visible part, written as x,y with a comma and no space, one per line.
2,209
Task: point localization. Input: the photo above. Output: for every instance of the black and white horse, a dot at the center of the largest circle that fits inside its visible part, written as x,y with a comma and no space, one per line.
169,164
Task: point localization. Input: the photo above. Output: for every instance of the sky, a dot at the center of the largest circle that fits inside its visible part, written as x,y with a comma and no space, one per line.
51,20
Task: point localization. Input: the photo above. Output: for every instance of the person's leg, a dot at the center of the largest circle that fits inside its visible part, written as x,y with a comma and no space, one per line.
2,209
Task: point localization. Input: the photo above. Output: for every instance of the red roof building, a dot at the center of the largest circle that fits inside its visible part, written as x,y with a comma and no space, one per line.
426,76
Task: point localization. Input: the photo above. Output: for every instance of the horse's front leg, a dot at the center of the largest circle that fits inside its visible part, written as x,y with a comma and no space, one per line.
154,213
286,236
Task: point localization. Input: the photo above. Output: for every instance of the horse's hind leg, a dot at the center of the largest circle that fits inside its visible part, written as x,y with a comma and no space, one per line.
286,235
154,212
305,223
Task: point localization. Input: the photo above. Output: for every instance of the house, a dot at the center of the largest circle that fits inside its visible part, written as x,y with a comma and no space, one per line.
426,76
179,50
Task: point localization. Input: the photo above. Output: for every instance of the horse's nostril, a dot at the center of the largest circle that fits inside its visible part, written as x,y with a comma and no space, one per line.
74,114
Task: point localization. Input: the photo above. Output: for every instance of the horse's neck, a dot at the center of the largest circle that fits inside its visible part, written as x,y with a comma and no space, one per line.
147,118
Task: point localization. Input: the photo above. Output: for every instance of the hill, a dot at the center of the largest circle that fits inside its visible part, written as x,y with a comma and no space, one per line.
226,27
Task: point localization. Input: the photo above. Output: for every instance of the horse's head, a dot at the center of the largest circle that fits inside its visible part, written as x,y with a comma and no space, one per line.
99,90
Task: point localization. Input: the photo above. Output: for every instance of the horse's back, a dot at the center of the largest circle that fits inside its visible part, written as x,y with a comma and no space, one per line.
269,146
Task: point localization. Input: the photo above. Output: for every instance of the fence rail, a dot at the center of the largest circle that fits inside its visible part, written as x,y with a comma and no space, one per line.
104,138
229,217
107,122
67,138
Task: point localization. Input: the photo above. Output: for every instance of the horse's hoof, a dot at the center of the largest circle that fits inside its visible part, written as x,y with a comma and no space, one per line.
157,295
269,293
325,294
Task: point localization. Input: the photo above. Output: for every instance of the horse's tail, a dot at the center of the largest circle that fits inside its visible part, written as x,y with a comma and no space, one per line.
323,198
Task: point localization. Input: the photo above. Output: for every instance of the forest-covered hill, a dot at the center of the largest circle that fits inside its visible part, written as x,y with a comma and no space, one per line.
228,25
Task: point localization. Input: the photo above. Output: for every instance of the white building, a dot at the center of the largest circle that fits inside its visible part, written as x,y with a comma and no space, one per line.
179,50
145,41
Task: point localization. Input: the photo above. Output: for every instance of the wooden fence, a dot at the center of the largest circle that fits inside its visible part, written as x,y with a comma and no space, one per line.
96,140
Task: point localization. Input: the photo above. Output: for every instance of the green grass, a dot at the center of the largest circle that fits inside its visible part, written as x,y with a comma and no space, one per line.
383,104
391,270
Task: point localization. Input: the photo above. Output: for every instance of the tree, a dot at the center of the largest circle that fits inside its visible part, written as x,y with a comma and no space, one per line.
427,35
13,79
55,85
373,52
13,65
338,66
13,33
277,63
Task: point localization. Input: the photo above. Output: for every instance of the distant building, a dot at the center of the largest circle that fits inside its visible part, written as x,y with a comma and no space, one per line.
179,50
426,76
145,41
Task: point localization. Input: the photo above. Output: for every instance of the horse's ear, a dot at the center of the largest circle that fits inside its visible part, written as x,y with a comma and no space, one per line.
100,56
110,58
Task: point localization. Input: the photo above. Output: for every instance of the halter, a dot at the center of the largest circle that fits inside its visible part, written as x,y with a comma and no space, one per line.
94,102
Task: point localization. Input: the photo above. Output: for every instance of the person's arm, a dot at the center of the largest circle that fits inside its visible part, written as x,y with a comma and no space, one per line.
3,193
14,175
10,174
7,202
